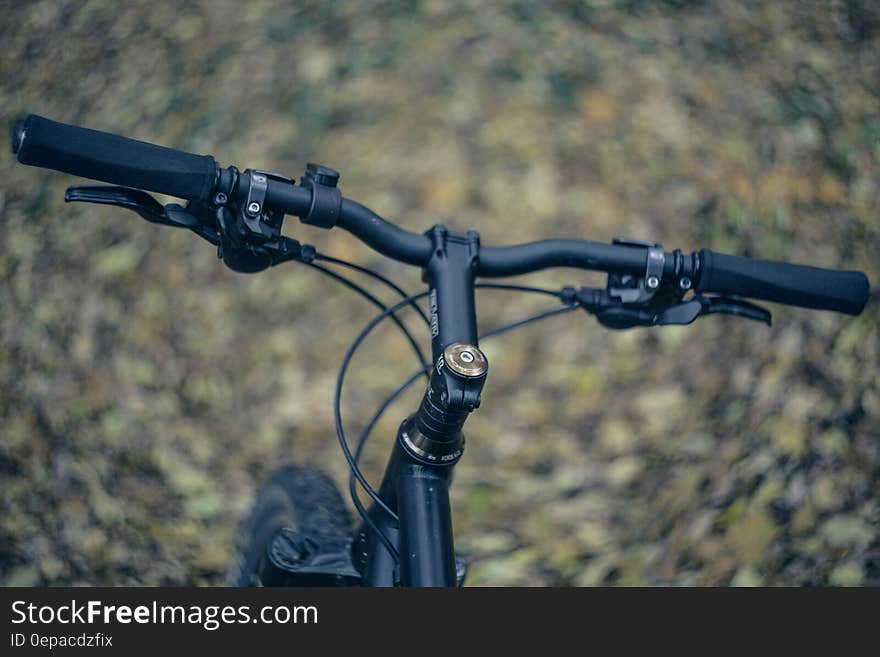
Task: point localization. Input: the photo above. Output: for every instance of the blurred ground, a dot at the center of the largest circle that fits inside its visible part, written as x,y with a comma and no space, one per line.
145,391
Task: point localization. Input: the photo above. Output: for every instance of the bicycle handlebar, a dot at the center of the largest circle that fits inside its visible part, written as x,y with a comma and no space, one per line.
415,249
110,158
791,284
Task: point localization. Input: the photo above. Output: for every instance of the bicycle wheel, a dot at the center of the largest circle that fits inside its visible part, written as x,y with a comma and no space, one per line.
297,497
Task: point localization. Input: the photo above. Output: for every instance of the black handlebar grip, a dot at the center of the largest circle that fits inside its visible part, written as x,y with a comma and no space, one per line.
113,159
795,285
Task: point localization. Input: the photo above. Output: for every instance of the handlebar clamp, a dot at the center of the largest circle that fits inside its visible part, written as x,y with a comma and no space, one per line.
639,290
259,220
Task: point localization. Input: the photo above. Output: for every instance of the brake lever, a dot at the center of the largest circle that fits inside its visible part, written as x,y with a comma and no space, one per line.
217,226
124,197
736,306
144,205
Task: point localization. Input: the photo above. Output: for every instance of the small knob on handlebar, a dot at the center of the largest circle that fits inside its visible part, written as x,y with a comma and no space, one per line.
326,204
322,175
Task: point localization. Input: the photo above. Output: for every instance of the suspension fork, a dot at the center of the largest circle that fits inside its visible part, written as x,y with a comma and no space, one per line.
430,441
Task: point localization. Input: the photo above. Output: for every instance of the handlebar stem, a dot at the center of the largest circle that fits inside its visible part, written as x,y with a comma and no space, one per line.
450,273
433,434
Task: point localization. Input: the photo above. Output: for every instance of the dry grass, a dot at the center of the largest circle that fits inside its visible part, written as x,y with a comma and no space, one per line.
145,391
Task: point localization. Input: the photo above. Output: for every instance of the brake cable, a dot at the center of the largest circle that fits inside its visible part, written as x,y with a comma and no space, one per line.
357,288
376,275
355,473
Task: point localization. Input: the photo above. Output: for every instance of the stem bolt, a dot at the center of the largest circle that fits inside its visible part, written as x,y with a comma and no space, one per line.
653,282
685,283
253,208
220,199
465,360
